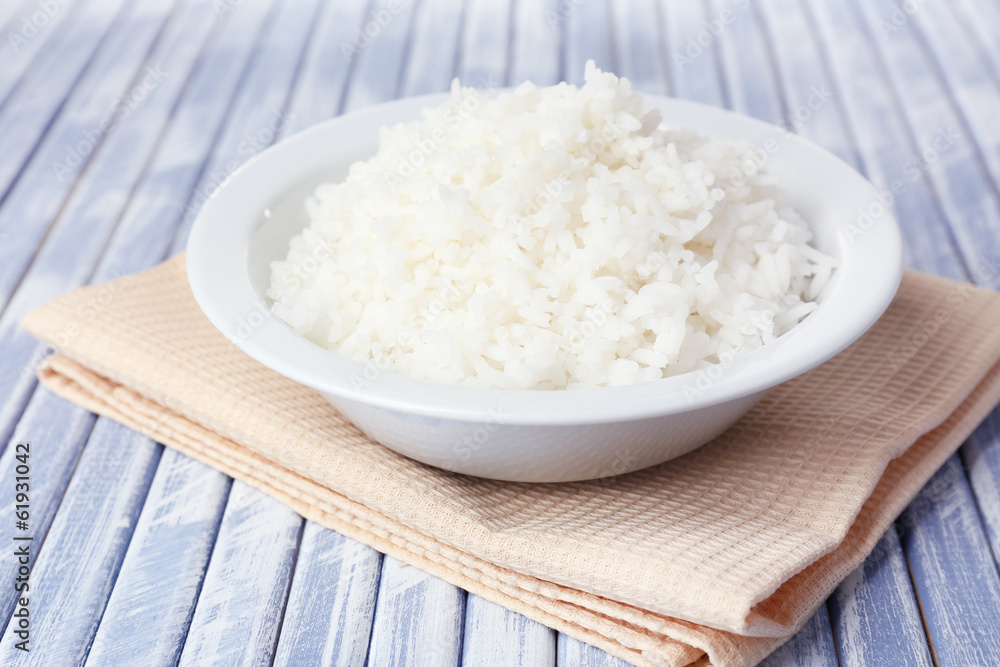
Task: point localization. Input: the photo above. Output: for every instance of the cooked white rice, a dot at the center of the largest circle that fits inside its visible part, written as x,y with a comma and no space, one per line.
548,238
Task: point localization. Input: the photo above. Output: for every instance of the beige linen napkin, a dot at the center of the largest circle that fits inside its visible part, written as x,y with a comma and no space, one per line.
716,557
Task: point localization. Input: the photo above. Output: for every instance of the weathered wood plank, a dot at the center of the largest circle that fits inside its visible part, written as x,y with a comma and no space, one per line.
379,65
239,610
497,637
25,32
981,20
574,653
95,201
74,573
953,570
811,99
691,58
319,93
26,114
587,35
535,52
150,607
430,65
418,619
638,49
884,149
967,76
812,646
874,611
981,460
328,618
486,40
72,140
258,113
746,61
954,170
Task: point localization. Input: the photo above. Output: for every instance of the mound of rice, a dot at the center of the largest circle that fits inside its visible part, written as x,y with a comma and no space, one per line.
548,238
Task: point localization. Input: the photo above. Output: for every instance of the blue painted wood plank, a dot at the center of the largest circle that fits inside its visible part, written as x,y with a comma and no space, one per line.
812,646
258,114
96,200
537,42
981,460
27,113
418,619
150,607
325,68
378,68
72,140
638,50
587,35
981,20
884,148
811,98
874,611
430,66
328,618
574,653
239,610
968,77
953,570
497,637
746,61
691,55
25,32
148,226
56,432
74,572
12,15
486,40
954,170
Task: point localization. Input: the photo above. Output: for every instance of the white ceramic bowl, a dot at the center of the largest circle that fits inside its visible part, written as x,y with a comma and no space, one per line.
535,436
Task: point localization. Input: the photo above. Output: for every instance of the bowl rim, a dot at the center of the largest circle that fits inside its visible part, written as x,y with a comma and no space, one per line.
861,289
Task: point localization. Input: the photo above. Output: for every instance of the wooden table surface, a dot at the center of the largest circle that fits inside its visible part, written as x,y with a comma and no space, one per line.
119,117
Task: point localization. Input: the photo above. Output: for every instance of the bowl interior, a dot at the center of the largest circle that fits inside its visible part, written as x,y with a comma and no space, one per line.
248,222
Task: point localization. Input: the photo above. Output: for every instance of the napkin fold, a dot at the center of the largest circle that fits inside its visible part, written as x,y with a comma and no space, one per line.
715,558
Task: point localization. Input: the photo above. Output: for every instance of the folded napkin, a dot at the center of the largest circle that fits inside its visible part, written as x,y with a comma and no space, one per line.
714,558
